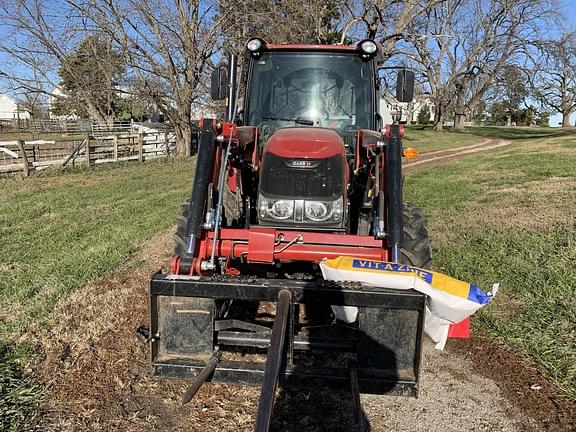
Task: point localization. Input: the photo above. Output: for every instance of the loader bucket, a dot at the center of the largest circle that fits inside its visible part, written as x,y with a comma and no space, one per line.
188,323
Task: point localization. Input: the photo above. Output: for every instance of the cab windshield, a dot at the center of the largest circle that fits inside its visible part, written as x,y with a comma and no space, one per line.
330,90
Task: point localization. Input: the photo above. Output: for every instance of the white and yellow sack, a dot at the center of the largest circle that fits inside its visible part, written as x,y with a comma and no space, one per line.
449,300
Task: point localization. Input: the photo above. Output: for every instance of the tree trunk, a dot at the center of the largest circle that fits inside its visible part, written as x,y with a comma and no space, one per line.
438,118
566,119
183,138
459,120
96,115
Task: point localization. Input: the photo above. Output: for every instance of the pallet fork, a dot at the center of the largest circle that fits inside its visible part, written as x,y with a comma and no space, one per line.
382,353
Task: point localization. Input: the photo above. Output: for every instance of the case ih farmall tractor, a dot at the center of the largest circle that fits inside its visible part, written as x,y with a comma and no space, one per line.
304,171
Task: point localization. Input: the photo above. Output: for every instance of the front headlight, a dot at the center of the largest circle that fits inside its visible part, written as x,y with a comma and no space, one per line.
300,210
275,209
322,211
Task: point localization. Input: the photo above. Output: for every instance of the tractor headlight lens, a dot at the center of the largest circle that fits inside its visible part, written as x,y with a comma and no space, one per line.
316,210
322,211
275,209
295,211
368,47
282,209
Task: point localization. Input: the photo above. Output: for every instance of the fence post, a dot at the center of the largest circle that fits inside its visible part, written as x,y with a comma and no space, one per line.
115,142
140,147
88,151
166,141
25,157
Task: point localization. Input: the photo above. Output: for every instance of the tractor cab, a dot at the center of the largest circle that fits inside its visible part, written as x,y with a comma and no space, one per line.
332,87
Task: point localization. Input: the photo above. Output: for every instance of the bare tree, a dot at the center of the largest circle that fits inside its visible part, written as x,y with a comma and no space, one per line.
280,21
461,45
553,77
387,21
53,55
167,46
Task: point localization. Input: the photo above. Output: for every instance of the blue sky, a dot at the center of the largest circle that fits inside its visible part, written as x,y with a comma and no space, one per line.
567,6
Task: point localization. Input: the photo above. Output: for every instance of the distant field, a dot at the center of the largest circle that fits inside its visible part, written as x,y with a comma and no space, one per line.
509,215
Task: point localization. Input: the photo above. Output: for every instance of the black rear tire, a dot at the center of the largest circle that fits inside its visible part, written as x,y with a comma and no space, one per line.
179,236
415,248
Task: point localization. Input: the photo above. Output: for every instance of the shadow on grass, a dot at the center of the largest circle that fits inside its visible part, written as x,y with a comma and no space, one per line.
513,133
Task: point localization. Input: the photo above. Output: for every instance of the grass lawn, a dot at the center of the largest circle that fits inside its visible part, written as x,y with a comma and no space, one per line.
520,132
424,139
509,216
59,231
498,216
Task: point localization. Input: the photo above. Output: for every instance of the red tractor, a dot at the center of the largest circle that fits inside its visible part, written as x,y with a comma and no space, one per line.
304,170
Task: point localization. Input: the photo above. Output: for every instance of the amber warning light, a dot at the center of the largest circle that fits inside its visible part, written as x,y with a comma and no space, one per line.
410,152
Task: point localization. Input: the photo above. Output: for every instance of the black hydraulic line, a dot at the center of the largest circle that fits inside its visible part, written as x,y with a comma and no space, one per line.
202,377
274,361
202,179
356,405
394,190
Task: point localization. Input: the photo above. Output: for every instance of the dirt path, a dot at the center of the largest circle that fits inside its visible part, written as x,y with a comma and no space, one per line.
441,156
98,378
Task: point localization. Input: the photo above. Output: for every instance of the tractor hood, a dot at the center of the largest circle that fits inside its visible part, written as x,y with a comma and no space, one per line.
305,143
303,180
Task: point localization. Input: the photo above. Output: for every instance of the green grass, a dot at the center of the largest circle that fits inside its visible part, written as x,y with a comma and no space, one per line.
19,395
60,231
424,139
508,216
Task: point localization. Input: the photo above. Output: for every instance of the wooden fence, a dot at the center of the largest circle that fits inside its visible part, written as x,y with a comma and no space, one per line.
62,126
28,156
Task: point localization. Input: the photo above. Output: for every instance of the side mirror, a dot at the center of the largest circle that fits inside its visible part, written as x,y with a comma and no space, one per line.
405,86
219,83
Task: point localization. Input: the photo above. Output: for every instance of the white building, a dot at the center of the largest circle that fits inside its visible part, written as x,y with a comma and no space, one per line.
10,110
409,111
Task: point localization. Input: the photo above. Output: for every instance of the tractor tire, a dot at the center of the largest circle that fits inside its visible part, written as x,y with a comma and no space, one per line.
232,208
415,248
230,215
179,236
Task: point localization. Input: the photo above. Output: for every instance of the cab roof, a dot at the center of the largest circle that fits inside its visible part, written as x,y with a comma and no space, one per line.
322,48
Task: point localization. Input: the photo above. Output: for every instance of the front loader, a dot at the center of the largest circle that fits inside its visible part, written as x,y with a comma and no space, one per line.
304,170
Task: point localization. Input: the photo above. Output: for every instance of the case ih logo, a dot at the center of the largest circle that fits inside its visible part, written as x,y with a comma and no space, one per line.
303,164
